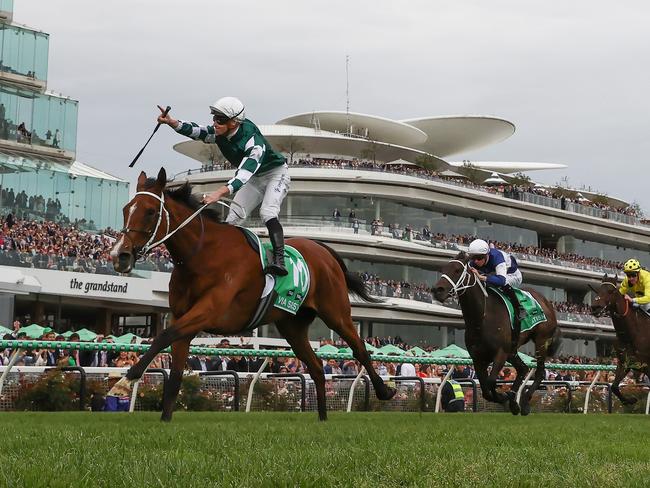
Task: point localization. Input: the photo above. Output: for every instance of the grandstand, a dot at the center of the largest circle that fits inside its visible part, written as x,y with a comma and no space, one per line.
384,193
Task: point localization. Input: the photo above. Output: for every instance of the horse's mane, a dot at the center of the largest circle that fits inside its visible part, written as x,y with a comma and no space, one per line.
610,279
462,256
183,194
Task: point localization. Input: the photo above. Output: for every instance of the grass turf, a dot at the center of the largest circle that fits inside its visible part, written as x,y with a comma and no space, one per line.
358,449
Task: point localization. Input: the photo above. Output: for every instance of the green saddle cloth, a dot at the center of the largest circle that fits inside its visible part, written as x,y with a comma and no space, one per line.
291,290
534,311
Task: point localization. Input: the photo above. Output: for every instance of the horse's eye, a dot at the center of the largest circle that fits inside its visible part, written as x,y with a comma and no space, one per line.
151,211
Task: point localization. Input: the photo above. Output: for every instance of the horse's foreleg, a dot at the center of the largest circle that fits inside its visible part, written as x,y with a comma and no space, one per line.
180,351
481,374
540,374
621,370
296,336
497,365
199,317
522,371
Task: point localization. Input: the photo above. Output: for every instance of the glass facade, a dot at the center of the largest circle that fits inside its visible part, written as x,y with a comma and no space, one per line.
7,6
391,212
50,120
23,51
569,244
38,189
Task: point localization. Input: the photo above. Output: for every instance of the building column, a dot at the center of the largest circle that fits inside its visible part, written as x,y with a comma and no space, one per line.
444,340
38,312
7,309
103,321
377,209
548,241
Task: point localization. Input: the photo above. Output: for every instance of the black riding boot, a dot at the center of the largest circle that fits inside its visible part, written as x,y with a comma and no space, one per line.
277,241
520,313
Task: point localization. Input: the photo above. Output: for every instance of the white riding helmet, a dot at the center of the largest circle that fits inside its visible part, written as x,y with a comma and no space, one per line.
478,247
231,107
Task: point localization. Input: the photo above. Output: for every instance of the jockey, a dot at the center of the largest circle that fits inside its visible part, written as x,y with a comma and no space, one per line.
637,280
497,268
262,174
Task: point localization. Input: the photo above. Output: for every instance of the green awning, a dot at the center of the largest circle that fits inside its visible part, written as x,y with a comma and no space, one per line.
451,351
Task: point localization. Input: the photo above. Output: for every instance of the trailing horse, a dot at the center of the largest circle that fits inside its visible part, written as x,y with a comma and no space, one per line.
489,336
632,328
217,282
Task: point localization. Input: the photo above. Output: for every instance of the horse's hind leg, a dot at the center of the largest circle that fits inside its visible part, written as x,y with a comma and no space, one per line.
296,335
180,351
342,324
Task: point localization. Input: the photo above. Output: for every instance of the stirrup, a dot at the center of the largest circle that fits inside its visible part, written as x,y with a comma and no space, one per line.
276,269
277,266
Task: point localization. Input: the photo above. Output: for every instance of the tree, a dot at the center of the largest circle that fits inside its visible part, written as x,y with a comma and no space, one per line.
600,199
520,179
370,151
291,147
472,173
429,162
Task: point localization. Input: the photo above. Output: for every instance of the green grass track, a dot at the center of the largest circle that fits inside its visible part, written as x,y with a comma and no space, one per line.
359,450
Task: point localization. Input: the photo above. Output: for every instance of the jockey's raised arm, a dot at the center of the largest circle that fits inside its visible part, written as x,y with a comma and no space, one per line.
262,175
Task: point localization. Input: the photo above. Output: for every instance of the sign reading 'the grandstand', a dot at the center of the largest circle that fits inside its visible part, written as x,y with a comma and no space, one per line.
106,286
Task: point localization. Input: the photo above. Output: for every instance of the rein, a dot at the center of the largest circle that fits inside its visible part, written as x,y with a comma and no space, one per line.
151,245
459,287
627,304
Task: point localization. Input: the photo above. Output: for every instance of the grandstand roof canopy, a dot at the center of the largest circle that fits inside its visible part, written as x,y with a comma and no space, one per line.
360,125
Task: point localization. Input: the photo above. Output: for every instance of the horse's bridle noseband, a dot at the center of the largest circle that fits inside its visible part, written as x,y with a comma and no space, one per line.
161,198
612,306
148,246
459,287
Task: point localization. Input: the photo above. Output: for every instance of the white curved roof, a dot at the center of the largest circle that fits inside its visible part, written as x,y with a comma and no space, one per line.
456,134
508,166
362,125
306,140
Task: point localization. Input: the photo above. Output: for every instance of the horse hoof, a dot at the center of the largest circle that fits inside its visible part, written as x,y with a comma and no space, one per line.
388,394
525,409
512,403
165,418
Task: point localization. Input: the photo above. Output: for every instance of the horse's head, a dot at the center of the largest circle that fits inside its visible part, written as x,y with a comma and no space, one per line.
143,221
606,295
453,275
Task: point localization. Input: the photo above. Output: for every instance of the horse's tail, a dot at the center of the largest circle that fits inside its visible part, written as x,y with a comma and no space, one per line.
556,342
353,281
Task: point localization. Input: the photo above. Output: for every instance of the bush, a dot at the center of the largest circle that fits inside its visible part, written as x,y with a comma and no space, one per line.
54,391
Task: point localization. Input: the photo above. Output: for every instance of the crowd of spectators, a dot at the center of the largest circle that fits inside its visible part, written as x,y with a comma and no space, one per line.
57,357
35,206
506,190
50,245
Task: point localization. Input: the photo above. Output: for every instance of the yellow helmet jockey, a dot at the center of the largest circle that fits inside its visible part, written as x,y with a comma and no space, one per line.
632,266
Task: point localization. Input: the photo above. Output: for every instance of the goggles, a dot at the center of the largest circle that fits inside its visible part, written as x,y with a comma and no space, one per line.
632,274
220,118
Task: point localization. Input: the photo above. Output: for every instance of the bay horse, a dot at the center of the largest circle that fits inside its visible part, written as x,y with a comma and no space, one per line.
632,328
217,282
488,334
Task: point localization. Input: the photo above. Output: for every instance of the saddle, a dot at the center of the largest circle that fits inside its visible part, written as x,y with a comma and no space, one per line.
285,292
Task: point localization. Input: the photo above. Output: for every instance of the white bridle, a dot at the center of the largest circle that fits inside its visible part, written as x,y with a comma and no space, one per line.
459,286
161,198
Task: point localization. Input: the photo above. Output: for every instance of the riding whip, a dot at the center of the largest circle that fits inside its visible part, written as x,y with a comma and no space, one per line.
154,131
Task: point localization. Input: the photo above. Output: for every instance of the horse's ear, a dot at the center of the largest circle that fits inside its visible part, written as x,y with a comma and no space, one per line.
161,181
141,180
605,277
